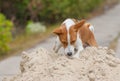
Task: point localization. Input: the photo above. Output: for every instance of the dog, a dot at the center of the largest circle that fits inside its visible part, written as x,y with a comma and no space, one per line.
74,35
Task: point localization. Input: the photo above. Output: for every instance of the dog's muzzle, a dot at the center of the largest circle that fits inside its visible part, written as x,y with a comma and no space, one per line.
69,53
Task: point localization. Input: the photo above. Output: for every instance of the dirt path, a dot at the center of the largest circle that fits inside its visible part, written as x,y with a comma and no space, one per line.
118,49
106,29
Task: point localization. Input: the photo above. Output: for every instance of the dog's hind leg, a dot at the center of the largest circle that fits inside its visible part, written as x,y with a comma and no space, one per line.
92,42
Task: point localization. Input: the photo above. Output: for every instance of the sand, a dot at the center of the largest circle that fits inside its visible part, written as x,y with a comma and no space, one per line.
94,64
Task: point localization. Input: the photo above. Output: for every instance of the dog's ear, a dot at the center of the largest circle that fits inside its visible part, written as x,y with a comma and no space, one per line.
57,31
79,24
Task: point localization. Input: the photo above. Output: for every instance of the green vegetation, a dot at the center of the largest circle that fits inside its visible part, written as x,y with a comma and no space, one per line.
61,9
35,27
5,33
48,11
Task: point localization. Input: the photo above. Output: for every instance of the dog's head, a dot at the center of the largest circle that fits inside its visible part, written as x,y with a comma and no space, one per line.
67,33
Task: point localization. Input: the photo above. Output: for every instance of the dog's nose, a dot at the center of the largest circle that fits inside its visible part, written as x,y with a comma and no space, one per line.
69,53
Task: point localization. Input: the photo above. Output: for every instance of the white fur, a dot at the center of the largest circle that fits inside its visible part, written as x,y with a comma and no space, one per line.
79,46
68,23
70,48
91,28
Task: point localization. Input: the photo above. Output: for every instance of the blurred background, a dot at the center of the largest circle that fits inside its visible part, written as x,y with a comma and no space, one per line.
24,23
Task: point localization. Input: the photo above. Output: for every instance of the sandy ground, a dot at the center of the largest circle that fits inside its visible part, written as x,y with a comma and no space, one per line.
106,29
94,64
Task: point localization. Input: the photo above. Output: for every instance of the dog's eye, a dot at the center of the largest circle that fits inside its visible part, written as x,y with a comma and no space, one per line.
64,42
72,42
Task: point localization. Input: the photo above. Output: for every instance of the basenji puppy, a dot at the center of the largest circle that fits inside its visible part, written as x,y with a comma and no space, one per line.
73,36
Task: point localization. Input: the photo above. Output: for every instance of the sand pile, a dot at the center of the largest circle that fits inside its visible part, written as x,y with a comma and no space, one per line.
95,64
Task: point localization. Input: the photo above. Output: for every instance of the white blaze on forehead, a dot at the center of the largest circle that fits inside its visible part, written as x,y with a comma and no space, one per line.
68,23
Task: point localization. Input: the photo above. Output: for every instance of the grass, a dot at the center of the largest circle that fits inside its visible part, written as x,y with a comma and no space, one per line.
24,42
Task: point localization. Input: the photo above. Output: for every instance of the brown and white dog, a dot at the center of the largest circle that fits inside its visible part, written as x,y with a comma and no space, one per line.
73,35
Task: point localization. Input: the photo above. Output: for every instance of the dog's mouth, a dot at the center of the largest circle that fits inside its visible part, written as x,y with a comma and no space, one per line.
70,57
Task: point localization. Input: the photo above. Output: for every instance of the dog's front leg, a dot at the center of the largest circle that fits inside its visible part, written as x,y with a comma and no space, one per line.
57,45
79,46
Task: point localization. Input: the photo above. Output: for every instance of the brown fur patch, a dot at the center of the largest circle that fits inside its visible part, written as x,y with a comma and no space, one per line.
87,36
73,35
63,35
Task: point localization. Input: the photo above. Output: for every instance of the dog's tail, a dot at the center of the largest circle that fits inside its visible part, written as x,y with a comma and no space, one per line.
90,27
